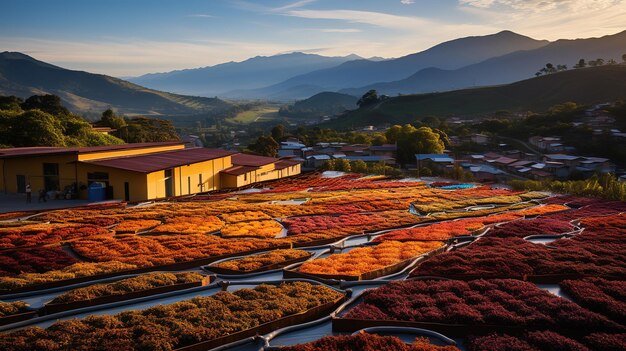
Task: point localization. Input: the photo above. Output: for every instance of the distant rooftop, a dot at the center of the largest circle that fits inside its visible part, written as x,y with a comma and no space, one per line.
433,157
252,160
369,158
161,160
562,157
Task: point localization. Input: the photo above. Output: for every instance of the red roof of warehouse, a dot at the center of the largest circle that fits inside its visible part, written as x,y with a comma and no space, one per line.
161,160
239,170
282,164
252,160
47,150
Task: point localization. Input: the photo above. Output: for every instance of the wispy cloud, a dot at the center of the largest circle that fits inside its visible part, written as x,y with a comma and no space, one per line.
293,5
407,2
200,15
140,56
551,19
340,30
378,19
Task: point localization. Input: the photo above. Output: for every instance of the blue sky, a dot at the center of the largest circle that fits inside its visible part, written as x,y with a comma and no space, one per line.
133,37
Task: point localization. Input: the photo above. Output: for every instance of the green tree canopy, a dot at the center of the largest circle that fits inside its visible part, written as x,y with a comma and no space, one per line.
47,103
265,145
278,132
358,166
369,98
411,141
35,123
342,165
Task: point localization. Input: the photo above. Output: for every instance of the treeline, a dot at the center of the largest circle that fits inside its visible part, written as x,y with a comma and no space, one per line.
558,120
42,120
359,166
550,68
409,138
138,129
605,186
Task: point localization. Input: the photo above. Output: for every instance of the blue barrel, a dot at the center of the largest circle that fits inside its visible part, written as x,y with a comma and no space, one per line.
96,192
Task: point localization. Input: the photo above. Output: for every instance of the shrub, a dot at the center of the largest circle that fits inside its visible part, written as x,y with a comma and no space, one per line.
189,225
254,262
367,342
33,260
607,297
125,286
166,327
479,302
76,270
255,229
136,225
493,257
44,234
11,308
370,258
530,341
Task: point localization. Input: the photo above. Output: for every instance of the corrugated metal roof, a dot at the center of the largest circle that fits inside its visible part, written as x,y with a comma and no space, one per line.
318,157
33,151
384,147
521,163
562,157
282,164
161,160
431,156
239,170
369,158
505,160
252,160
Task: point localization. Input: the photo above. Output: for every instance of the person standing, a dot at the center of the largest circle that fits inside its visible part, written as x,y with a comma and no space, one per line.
42,196
28,193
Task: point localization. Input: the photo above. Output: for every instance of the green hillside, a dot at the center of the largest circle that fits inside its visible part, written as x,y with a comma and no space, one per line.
90,94
584,86
326,103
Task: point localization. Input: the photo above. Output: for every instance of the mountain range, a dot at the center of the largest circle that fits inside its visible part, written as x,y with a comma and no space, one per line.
252,73
503,69
591,85
490,60
90,94
499,58
448,55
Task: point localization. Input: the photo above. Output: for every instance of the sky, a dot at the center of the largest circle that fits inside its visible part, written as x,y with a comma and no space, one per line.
133,37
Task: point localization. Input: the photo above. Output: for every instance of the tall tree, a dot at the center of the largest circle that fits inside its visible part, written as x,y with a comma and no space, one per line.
342,165
278,132
358,166
581,64
265,145
369,98
47,103
411,141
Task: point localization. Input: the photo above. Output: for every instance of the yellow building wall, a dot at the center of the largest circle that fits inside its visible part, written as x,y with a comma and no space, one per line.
233,181
128,152
237,181
187,180
137,182
289,171
32,168
156,185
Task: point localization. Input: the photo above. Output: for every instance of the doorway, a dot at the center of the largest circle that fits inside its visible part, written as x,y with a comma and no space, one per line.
169,182
51,176
21,183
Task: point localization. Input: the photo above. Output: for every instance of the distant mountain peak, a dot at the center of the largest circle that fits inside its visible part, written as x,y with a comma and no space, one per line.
14,55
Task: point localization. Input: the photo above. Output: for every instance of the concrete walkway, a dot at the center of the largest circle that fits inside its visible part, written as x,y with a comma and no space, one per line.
17,202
